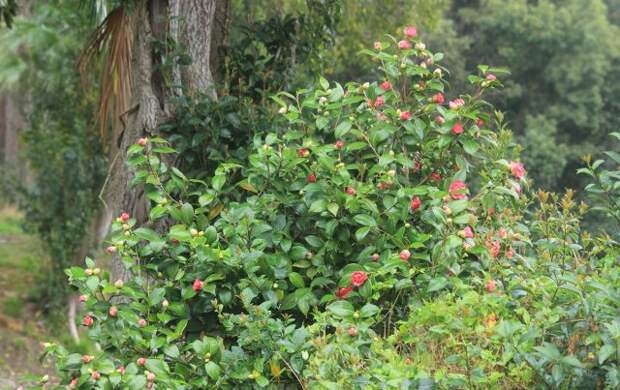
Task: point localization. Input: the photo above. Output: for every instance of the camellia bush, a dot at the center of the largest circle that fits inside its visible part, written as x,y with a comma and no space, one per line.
380,240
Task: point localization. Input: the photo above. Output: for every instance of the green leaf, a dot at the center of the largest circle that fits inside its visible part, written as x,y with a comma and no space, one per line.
361,233
318,206
365,219
341,308
437,284
470,146
218,182
333,208
296,279
147,234
605,352
158,367
342,129
213,370
369,310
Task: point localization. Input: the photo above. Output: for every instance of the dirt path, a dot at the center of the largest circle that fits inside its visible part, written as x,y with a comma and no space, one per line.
22,327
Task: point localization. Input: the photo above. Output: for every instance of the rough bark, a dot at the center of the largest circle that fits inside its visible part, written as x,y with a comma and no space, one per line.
191,23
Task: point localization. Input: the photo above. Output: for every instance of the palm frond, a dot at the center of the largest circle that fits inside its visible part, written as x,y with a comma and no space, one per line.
114,39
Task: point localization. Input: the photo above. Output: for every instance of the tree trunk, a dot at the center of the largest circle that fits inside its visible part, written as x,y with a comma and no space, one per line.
191,24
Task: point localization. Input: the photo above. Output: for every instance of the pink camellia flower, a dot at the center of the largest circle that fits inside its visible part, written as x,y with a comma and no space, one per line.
87,321
377,45
303,152
141,361
503,233
113,311
141,322
150,377
468,232
410,31
405,115
312,178
440,120
415,203
386,85
493,247
375,257
490,285
83,298
197,286
143,141
124,217
350,191
456,103
404,44
110,250
352,331
95,375
509,253
479,122
121,370
379,102
457,128
439,98
517,188
73,383
457,190
491,77
358,278
339,144
87,359
343,292
404,254
517,169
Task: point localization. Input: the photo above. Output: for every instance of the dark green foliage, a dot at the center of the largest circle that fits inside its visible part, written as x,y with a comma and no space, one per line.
63,152
8,10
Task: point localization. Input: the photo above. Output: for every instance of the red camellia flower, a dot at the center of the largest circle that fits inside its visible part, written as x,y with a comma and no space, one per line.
197,285
113,311
405,254
517,169
405,116
490,285
141,361
457,189
358,278
379,102
435,176
457,128
124,217
440,120
410,31
415,203
339,144
87,321
438,98
479,122
468,232
303,152
404,44
350,191
386,85
491,77
312,178
343,292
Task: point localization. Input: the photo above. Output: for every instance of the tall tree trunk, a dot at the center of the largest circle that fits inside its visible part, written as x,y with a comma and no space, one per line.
191,24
